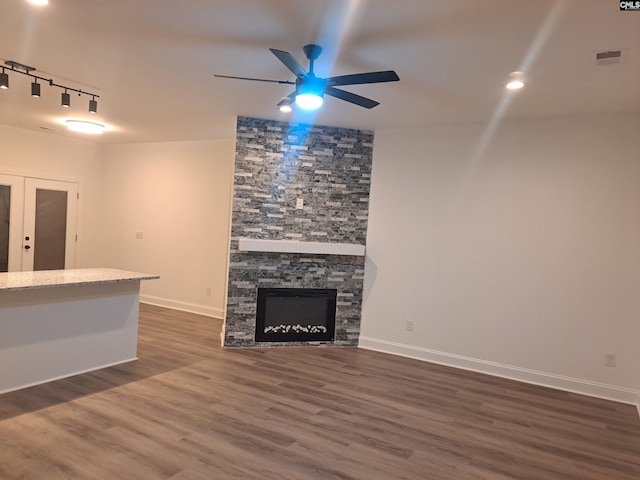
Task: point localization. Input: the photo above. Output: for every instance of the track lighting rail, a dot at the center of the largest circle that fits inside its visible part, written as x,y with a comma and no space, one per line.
23,69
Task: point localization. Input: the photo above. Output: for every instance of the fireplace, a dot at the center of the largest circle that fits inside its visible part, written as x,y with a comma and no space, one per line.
295,314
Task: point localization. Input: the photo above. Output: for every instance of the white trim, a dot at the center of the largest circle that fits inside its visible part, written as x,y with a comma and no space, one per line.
559,382
290,246
183,306
61,377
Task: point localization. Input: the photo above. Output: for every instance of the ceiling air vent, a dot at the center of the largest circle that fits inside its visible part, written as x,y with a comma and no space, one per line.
610,57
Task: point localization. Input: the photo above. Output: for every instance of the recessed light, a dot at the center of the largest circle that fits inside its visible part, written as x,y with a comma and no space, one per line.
515,84
515,81
39,2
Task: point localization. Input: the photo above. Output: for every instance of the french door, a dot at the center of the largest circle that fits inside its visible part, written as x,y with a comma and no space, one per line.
37,223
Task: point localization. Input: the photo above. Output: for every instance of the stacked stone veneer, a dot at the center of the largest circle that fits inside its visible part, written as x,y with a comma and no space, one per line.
330,170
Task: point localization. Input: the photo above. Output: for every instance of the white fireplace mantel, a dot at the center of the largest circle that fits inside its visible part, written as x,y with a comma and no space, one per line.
292,246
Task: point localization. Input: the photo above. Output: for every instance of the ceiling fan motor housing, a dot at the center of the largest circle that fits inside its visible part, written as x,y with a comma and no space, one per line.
312,85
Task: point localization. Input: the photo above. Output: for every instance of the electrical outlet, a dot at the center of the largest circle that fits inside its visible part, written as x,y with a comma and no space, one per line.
409,325
207,291
610,359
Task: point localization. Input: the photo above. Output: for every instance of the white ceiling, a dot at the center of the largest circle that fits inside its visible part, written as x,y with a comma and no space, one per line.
152,61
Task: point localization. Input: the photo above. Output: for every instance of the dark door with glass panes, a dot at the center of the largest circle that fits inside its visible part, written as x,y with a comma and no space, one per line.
37,223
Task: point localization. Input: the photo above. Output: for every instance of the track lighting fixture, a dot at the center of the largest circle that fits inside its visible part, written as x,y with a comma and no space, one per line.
4,80
35,89
66,99
35,86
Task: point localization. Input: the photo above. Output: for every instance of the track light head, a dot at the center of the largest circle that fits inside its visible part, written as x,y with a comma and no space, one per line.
66,99
93,105
35,89
4,80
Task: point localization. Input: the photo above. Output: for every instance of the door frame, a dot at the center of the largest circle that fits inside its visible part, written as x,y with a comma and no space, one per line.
16,219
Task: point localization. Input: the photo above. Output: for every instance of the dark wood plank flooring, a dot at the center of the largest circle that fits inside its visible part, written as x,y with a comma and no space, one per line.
188,409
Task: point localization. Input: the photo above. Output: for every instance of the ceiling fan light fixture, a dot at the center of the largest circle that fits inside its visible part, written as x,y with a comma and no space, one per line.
309,101
285,105
84,126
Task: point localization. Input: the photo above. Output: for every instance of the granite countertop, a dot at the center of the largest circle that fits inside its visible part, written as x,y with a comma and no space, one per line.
58,278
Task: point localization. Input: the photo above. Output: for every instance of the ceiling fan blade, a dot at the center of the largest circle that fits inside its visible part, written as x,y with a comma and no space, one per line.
289,62
286,82
351,97
360,78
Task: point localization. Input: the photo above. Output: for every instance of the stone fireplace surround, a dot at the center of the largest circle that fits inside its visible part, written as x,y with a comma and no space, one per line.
279,168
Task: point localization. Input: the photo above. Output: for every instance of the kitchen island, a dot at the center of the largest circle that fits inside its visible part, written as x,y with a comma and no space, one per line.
58,323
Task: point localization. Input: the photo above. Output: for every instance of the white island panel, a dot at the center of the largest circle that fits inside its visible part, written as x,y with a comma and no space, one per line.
51,331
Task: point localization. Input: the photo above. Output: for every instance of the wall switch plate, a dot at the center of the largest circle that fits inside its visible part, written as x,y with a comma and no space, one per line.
409,325
139,235
610,359
300,203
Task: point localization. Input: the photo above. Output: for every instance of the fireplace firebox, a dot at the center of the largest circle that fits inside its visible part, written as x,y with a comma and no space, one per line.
296,314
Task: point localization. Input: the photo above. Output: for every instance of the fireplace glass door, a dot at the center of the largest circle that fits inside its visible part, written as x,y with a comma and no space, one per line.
295,314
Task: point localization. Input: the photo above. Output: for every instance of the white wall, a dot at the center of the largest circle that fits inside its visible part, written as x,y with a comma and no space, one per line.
524,262
178,196
46,155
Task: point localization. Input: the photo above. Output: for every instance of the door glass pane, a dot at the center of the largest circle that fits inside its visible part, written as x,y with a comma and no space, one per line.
5,209
50,230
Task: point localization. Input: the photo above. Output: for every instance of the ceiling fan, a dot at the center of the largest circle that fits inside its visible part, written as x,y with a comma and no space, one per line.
310,89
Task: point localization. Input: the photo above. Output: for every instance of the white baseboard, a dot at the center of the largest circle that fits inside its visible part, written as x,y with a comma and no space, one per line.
182,306
61,377
569,384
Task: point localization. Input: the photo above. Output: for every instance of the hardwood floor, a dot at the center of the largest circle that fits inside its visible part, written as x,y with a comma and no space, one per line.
188,409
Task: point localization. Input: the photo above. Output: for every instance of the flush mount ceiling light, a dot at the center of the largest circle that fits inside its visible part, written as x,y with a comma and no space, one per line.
22,69
515,81
39,2
84,126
